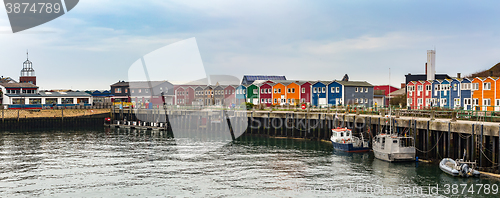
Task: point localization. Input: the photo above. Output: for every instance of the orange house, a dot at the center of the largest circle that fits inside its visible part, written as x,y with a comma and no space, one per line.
278,90
293,93
497,94
489,92
477,93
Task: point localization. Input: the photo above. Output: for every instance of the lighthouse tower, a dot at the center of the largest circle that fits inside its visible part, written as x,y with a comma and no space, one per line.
27,73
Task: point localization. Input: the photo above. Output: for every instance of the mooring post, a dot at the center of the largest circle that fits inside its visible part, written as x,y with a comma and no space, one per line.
472,147
62,113
481,147
449,139
427,140
415,133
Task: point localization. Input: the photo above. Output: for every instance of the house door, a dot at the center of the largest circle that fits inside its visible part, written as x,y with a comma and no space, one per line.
497,105
255,101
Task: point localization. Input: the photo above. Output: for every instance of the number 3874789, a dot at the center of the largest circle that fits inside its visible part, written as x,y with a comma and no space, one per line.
33,8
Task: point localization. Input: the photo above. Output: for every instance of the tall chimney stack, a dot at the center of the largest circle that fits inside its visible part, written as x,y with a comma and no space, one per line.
403,85
426,69
458,75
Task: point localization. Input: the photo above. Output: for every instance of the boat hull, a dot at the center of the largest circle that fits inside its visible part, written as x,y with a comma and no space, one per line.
348,147
394,157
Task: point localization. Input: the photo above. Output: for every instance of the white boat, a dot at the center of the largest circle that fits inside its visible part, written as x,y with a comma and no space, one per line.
393,148
343,140
458,167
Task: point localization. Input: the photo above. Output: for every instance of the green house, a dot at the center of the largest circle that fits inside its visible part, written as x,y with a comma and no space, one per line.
253,94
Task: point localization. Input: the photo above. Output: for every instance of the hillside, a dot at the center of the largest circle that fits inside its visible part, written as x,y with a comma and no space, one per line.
493,71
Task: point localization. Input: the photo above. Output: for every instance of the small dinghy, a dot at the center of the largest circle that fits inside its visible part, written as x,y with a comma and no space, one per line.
458,167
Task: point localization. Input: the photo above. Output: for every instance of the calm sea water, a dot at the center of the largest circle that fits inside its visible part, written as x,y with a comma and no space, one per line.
118,163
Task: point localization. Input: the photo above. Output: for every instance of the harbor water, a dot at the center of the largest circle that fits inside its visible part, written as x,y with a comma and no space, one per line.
106,162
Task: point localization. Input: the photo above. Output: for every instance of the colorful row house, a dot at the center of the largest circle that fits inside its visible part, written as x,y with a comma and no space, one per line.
317,93
480,93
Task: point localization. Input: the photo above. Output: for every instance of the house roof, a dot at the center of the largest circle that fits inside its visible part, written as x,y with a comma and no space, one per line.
120,83
18,85
355,83
400,92
146,84
64,94
251,78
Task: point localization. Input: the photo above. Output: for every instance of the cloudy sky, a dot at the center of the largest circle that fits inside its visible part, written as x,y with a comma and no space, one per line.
93,45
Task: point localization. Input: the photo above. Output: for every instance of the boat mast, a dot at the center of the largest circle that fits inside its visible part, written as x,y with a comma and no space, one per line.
390,110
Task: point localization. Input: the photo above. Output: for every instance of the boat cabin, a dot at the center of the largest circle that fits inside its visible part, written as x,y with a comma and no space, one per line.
341,134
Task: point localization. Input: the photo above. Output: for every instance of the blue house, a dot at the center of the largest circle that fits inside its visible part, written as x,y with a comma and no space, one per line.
241,94
436,93
445,100
455,99
335,93
466,93
319,93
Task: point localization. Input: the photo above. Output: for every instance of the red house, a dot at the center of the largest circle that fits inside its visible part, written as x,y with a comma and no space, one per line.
384,90
230,95
305,91
411,96
189,97
266,94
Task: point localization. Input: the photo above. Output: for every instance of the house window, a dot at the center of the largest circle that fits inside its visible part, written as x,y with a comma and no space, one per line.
455,87
420,87
332,89
275,100
275,90
486,102
269,91
366,100
289,90
126,90
409,101
366,90
475,86
133,91
303,90
361,100
262,100
487,86
356,100
457,101
427,87
337,89
323,89
419,101
118,90
293,90
315,89
255,91
476,101
279,90
356,89
269,100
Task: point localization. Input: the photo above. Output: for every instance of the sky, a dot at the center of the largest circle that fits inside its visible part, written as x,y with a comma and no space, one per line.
95,44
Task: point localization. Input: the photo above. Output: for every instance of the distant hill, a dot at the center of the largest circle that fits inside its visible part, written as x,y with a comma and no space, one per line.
493,71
